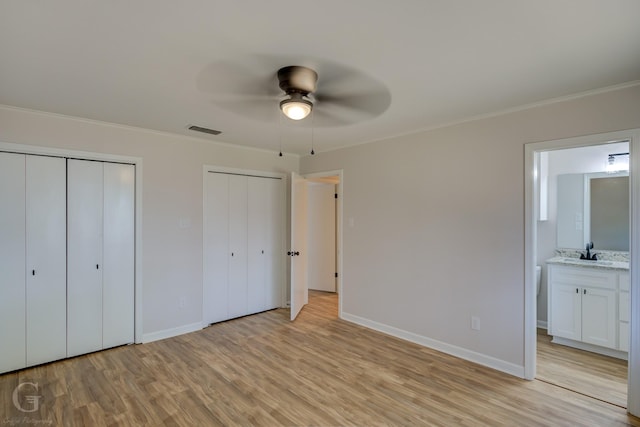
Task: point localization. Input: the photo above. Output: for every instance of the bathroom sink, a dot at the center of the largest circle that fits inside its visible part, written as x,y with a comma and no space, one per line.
588,262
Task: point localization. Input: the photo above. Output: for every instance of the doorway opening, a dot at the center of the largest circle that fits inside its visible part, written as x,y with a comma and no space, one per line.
541,244
317,228
573,213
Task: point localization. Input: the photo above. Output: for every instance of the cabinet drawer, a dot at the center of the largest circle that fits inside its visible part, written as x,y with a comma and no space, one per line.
623,306
624,281
583,276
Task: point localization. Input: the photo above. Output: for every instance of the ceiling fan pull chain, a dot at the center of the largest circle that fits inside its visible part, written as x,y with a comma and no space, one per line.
312,127
280,130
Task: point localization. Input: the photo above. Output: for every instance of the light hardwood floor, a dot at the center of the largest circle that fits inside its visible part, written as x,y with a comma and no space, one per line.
592,374
319,370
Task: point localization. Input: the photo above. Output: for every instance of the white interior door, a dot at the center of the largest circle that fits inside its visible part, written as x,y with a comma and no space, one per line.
118,255
12,262
46,259
298,249
85,263
322,236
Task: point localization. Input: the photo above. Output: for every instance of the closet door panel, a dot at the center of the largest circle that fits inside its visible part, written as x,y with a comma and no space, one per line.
237,246
275,212
46,259
118,255
257,215
85,237
12,262
216,240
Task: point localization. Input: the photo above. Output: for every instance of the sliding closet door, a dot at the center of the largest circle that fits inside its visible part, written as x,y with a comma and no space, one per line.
12,262
275,212
257,217
237,246
85,263
45,259
118,255
216,241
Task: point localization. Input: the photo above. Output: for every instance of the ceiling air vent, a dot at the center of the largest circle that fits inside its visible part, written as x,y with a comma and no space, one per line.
205,130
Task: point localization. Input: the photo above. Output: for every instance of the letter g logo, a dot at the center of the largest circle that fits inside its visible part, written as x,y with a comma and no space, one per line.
32,401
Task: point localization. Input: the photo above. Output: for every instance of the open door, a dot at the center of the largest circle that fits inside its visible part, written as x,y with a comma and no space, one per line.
298,249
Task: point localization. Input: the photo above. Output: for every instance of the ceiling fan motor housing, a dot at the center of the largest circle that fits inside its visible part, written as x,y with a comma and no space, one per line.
297,79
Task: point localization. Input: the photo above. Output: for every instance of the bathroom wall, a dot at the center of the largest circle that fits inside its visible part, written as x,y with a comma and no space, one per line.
575,160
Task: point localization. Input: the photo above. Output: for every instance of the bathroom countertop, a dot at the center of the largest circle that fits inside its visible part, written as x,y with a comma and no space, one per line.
606,265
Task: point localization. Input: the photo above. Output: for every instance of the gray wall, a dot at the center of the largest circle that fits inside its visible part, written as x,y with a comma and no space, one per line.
438,222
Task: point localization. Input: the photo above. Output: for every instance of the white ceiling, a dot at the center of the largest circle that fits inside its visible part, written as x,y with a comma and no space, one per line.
166,64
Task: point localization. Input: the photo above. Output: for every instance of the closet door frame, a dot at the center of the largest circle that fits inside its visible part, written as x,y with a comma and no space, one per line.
283,221
86,155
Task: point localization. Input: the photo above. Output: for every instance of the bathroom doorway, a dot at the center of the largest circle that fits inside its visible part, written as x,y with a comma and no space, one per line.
551,362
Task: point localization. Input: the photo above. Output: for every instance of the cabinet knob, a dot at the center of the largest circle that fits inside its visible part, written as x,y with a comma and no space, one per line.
33,272
577,291
584,291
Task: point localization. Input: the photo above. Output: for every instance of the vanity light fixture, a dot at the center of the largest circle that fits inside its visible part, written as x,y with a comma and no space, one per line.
617,162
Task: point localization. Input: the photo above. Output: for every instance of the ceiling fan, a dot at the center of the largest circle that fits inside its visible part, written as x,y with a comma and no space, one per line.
338,95
297,82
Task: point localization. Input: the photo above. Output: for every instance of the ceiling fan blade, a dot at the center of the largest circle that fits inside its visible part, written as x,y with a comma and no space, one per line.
368,105
233,79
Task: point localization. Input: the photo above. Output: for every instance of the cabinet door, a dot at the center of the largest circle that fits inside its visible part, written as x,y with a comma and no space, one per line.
12,262
84,246
599,318
216,241
565,311
257,224
118,255
46,319
237,246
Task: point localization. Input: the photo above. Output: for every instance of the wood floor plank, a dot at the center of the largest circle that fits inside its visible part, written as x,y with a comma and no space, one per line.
264,370
595,375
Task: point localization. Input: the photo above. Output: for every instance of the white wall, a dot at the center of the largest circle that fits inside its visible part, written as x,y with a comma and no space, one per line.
438,224
172,193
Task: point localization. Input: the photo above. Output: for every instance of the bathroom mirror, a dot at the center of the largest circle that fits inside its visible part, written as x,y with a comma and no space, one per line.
593,207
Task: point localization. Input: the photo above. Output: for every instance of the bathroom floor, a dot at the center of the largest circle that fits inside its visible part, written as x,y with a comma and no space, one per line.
601,377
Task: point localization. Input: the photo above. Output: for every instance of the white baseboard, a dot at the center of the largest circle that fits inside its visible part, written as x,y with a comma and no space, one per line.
542,324
463,353
173,332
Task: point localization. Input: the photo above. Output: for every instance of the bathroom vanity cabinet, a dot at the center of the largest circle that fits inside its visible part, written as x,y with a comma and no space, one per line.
589,307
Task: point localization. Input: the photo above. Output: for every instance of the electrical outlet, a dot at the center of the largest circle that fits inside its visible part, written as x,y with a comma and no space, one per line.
183,302
475,323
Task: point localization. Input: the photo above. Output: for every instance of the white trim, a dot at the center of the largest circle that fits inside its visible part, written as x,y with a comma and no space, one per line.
542,324
170,333
462,353
87,155
633,136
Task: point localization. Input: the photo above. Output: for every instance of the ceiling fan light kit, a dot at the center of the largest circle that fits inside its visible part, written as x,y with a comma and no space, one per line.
296,107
